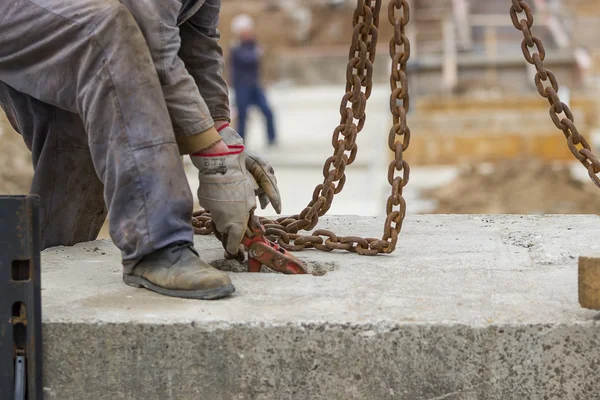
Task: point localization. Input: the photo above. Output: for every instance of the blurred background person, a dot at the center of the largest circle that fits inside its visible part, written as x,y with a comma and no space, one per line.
245,66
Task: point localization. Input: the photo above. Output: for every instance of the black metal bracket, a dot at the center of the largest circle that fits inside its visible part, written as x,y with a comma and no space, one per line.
20,299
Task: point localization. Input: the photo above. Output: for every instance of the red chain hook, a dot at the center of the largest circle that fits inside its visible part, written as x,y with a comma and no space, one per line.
261,251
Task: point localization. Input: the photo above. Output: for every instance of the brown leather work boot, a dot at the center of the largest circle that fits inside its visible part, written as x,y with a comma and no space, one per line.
178,271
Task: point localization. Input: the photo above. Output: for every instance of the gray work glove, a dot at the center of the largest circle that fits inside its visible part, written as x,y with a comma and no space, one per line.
227,192
265,183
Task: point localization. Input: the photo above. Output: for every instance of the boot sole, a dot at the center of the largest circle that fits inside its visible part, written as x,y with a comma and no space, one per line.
207,294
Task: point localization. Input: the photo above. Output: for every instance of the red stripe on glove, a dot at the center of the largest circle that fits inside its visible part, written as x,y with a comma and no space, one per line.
235,149
223,127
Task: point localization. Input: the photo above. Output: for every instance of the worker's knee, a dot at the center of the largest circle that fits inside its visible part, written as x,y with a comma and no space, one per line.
116,19
116,28
123,45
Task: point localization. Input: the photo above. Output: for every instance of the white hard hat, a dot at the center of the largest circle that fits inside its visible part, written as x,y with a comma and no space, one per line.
242,22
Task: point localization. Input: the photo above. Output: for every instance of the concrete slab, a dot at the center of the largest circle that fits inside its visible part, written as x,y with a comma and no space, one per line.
469,307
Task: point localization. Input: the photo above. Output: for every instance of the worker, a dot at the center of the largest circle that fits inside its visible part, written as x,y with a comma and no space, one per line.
245,66
107,95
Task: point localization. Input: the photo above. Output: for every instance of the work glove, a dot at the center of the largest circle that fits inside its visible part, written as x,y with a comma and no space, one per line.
263,174
226,190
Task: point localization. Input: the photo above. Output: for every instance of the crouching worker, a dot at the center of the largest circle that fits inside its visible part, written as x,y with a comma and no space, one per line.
107,94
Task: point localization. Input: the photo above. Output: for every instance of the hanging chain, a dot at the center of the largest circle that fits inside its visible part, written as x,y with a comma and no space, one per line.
359,84
547,86
359,74
399,136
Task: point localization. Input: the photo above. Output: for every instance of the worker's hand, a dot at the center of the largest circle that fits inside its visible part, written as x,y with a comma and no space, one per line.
226,190
262,172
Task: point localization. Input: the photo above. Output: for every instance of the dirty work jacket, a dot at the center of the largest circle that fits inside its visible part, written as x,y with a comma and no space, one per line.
184,43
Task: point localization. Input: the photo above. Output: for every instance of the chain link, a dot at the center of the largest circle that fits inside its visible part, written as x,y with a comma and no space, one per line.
399,136
547,86
359,84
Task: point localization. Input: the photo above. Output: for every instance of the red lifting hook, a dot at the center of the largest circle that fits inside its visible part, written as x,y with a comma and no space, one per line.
262,251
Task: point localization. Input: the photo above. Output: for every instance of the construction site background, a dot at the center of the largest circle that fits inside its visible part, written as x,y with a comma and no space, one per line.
482,140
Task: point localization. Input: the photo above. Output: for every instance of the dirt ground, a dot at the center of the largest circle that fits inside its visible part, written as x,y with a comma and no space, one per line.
15,161
517,187
277,29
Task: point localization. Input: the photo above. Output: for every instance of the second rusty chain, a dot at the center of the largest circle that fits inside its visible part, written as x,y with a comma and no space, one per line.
359,84
547,86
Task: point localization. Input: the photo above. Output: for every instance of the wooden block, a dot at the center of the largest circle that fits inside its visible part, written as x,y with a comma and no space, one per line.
589,282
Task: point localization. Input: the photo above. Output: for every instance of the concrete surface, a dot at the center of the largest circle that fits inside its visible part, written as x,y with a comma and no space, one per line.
469,307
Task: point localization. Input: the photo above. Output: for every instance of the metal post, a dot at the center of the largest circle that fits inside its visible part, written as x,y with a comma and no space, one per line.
463,25
450,66
20,299
491,52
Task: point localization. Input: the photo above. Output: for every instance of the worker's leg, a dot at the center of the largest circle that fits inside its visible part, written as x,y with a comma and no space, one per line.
71,204
242,99
89,57
262,103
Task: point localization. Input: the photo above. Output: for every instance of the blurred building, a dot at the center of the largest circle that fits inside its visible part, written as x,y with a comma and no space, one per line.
456,43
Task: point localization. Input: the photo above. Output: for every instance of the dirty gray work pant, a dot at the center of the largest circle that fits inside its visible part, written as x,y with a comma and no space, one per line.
78,82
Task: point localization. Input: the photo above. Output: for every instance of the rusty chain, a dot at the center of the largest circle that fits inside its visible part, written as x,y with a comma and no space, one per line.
359,76
547,86
359,84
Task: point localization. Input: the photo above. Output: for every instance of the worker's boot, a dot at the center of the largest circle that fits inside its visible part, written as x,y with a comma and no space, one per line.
178,271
